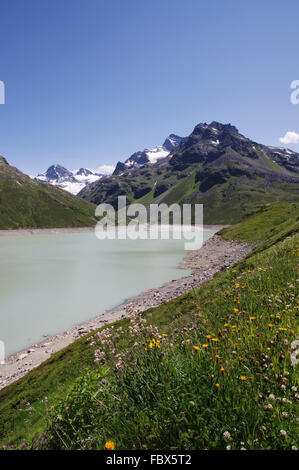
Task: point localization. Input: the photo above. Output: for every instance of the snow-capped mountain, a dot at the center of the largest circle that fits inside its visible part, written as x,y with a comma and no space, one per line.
71,181
150,156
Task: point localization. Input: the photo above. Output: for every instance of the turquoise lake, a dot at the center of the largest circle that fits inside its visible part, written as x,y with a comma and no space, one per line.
50,283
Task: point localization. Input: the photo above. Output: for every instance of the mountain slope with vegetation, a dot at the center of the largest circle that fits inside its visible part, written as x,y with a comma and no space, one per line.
26,203
211,369
215,166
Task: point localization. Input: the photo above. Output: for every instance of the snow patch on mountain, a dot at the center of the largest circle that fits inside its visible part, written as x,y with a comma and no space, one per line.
156,153
139,159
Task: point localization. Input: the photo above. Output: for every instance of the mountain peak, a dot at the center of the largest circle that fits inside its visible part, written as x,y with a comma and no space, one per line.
139,158
57,171
172,141
214,127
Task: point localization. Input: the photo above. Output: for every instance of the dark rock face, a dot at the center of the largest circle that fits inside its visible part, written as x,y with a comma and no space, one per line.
55,172
139,157
120,167
160,189
173,141
140,192
84,172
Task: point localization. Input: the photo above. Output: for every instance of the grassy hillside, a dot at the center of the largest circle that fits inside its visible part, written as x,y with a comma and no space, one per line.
25,203
210,369
268,225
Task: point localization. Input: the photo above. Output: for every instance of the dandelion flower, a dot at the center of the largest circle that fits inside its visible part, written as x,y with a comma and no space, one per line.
110,445
197,348
205,346
243,378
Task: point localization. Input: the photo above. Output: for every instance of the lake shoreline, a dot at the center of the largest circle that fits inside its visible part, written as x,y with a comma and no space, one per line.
43,231
215,255
59,231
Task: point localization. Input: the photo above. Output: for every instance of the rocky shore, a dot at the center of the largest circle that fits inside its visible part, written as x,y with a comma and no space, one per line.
215,255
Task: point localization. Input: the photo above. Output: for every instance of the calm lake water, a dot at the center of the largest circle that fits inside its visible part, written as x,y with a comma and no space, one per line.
50,283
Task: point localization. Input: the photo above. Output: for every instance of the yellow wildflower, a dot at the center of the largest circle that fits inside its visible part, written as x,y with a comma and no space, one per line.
110,445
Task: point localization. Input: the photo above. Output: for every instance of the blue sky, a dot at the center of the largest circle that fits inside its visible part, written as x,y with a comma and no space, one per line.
88,82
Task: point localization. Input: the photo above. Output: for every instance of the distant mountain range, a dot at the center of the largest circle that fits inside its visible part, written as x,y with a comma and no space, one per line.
74,181
26,203
215,165
71,181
